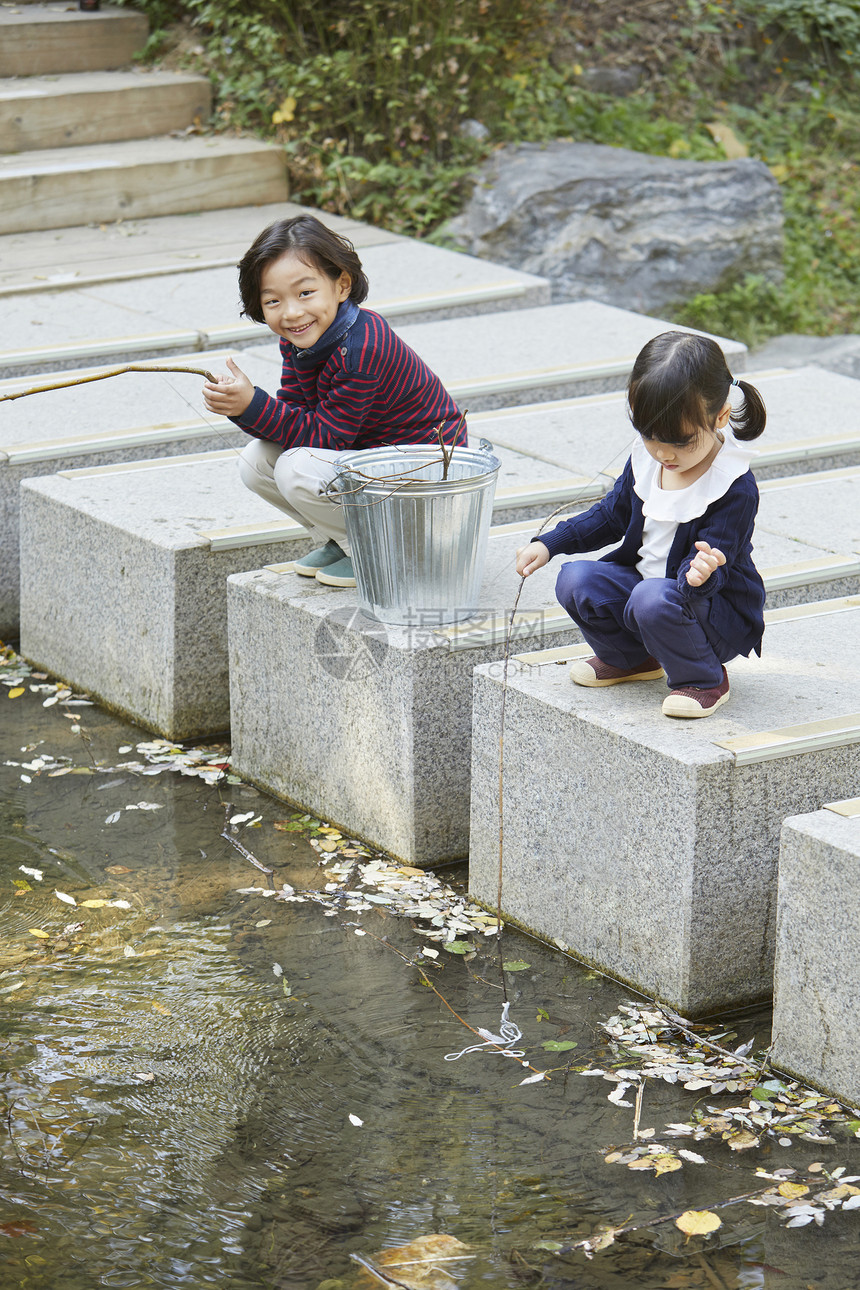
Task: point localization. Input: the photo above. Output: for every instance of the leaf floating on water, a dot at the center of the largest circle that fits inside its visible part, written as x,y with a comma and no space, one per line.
459,947
159,1007
31,873
431,954
116,868
354,1119
37,931
743,1141
617,1095
129,952
16,692
120,904
264,922
61,895
145,1077
242,819
93,904
692,1157
698,1222
792,1190
515,965
277,969
113,817
533,1079
558,1045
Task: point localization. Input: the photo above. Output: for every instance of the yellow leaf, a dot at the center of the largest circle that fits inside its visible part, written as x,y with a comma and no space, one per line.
92,904
159,1007
13,694
779,172
698,1222
792,1190
666,1164
577,69
285,112
725,136
37,931
743,1141
679,148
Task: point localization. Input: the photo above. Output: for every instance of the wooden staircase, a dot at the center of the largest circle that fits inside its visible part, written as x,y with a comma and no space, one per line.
86,138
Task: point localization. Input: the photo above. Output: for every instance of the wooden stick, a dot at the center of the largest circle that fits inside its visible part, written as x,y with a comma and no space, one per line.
102,376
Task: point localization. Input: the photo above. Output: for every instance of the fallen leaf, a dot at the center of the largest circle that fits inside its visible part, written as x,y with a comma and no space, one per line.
515,965
691,1156
535,1079
792,1190
666,1164
698,1222
354,1119
725,136
93,904
743,1141
159,1007
37,931
559,1045
117,868
14,694
61,895
31,873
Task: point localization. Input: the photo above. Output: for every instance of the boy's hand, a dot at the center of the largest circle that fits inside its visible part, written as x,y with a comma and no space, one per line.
531,558
704,564
230,395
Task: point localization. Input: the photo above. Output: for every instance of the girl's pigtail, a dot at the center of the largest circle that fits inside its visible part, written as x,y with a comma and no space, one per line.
749,420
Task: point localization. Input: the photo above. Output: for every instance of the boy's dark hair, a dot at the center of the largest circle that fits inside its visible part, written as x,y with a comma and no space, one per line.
678,385
312,242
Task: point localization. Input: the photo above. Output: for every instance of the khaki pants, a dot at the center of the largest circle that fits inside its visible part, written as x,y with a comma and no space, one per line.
294,480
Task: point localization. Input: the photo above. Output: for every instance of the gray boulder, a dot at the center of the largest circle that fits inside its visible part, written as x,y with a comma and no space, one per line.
623,227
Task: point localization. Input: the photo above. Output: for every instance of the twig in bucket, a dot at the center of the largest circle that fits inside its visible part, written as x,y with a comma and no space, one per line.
448,453
102,376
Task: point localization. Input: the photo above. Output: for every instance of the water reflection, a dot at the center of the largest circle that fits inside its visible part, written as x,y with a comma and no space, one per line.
180,1072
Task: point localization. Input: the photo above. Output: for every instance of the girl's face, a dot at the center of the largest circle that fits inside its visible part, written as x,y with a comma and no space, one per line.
686,462
299,301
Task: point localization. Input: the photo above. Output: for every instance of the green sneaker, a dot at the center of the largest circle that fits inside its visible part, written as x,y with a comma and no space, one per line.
339,574
309,565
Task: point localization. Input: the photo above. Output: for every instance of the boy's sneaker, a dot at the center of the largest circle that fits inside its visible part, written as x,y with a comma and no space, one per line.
593,672
692,701
309,565
339,574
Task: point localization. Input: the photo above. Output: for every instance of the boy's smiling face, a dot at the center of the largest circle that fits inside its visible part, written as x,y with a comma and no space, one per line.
299,301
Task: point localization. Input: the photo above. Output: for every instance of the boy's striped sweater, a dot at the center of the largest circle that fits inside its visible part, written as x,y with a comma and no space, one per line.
359,387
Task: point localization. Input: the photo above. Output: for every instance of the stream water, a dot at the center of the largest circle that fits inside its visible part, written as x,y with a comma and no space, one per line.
204,1086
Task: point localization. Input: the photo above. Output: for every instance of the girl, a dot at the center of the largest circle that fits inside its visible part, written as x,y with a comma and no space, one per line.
681,592
348,382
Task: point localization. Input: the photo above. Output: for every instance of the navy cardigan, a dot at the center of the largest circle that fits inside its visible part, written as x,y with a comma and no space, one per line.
735,590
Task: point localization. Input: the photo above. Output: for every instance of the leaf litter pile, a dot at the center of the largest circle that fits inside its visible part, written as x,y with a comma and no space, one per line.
648,1042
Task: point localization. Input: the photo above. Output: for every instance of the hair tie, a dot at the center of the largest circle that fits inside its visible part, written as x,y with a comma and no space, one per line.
735,381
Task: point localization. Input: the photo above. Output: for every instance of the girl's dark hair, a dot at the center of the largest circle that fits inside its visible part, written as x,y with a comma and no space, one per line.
678,385
313,243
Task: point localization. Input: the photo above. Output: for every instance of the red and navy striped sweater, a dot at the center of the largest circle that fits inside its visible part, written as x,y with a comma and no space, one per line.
364,388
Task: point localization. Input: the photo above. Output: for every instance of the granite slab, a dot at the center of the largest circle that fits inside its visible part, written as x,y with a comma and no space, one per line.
649,846
817,971
813,424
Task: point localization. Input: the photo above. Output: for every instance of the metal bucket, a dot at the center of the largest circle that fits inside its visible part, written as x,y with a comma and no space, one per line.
418,541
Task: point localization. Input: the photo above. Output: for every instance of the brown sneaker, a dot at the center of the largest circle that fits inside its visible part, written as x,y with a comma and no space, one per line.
593,672
692,701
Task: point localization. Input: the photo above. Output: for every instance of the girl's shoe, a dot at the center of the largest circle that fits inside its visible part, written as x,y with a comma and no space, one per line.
324,556
593,672
692,701
339,574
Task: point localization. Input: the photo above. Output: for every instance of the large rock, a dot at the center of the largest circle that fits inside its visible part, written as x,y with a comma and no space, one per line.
623,227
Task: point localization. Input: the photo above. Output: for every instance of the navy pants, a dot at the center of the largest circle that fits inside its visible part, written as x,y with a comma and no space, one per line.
625,617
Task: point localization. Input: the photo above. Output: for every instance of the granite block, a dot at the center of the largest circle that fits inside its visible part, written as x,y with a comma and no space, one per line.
817,970
364,724
122,595
641,842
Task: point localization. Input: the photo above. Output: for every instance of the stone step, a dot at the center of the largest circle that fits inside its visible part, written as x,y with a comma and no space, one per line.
40,40
553,350
817,965
813,423
409,280
85,255
99,107
55,187
649,846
